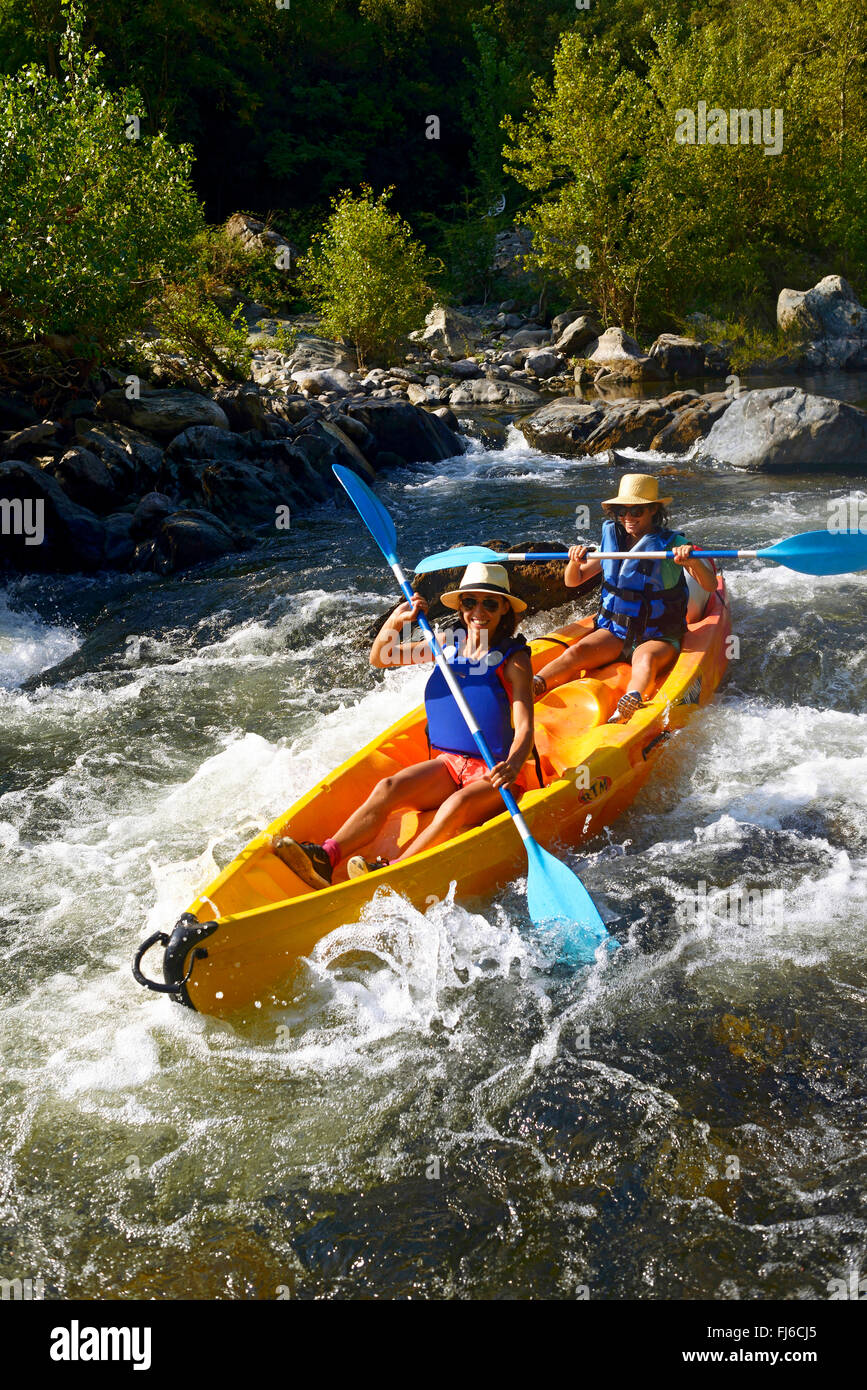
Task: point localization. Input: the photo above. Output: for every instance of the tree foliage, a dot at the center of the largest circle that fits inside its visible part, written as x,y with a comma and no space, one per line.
367,274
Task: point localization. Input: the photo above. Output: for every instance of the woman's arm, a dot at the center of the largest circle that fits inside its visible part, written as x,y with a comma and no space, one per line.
388,650
700,571
519,674
578,569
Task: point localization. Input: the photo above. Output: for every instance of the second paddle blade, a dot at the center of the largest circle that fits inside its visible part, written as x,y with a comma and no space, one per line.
821,552
557,898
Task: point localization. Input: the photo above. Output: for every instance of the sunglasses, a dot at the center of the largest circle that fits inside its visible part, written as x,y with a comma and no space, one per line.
629,511
490,605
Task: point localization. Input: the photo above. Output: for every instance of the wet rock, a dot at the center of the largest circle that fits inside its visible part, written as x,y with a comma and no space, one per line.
488,431
448,417
72,538
120,545
86,480
785,429
190,537
162,413
150,513
418,436
133,460
569,427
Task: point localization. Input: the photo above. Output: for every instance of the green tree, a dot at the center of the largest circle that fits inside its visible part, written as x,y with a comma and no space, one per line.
93,211
368,275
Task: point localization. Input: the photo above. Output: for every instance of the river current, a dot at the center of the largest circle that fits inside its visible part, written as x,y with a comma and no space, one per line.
442,1110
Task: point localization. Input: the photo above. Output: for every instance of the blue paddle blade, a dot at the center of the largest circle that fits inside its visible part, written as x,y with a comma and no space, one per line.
557,898
373,513
461,555
821,552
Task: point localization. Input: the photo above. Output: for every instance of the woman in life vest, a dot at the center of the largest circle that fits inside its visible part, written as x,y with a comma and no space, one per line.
492,663
642,611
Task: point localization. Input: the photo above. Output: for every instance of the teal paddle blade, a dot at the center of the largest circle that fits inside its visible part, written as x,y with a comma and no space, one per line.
821,552
557,898
460,555
373,513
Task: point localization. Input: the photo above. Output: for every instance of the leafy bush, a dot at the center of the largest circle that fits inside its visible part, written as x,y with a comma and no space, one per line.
212,348
225,263
368,275
90,216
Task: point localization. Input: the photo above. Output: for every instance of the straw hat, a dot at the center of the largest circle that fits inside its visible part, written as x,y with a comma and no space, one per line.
479,578
637,489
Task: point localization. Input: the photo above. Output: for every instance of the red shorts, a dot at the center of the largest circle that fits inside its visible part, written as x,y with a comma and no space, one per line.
465,770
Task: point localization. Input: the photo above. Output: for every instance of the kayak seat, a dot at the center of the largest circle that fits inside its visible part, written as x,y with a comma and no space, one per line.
563,717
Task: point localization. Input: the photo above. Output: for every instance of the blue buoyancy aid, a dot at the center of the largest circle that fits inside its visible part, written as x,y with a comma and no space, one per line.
634,604
484,691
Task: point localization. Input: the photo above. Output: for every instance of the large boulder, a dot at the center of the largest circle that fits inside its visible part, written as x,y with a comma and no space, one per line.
693,420
572,428
244,406
131,458
529,338
86,480
69,537
163,414
576,335
447,330
543,363
830,321
677,356
489,393
314,383
785,429
320,354
189,537
620,359
254,235
399,428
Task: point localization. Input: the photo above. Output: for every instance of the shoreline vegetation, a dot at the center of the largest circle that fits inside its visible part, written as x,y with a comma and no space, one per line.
173,387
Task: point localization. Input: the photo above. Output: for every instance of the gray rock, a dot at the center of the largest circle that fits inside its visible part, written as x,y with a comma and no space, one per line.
571,428
493,393
149,515
829,310
529,338
416,435
577,335
785,429
314,383
131,458
467,368
487,430
320,354
254,235
162,413
21,444
448,417
543,363
191,537
244,406
448,332
119,543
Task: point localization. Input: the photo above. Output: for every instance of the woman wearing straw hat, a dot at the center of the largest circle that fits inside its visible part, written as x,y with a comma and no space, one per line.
492,663
642,612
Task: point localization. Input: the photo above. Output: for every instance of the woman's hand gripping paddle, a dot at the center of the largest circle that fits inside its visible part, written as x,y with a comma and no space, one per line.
555,895
811,552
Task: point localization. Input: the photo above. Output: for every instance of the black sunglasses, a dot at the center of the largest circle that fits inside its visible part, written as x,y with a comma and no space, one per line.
490,605
630,511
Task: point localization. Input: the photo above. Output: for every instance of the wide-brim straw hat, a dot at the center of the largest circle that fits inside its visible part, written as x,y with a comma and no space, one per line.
479,578
637,489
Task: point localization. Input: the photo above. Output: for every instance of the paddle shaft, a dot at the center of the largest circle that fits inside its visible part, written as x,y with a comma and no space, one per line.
471,722
632,554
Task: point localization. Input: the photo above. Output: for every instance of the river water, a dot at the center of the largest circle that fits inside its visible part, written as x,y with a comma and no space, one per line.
442,1110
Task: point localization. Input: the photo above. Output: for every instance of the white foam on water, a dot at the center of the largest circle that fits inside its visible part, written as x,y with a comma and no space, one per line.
28,646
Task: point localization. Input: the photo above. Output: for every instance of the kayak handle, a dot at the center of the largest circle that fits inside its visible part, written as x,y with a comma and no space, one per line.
161,988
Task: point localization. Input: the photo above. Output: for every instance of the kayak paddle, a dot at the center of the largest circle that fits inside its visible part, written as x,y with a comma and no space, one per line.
554,893
811,552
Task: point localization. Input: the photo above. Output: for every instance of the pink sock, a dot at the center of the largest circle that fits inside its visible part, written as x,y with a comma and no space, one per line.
331,849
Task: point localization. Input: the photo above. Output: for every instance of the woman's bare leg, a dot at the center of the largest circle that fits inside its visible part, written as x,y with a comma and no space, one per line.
417,788
649,660
466,807
599,648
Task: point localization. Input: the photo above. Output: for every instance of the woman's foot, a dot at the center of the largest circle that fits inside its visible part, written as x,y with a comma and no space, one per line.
627,705
306,859
358,865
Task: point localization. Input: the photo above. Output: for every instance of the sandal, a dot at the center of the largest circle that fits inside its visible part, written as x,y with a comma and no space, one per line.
627,705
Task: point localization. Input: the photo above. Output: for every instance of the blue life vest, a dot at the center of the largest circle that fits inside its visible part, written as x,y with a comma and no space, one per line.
485,694
634,604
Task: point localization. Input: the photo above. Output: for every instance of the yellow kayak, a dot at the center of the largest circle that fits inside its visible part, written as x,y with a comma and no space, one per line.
242,937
